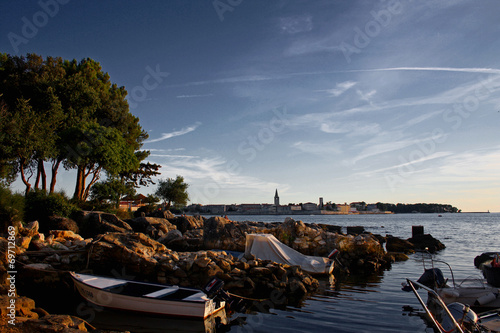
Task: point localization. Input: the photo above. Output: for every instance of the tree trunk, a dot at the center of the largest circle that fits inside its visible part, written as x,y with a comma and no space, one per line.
37,181
41,171
55,167
95,178
23,175
80,181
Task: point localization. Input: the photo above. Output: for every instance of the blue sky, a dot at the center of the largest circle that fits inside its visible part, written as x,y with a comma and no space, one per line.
392,101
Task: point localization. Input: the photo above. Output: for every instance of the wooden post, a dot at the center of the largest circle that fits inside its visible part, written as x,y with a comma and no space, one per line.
417,230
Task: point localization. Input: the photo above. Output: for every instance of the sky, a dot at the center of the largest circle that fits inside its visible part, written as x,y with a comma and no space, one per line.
392,101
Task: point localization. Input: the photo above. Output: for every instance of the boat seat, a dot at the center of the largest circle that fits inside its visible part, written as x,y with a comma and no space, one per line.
162,292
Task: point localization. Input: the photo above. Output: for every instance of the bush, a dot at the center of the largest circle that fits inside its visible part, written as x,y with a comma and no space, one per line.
40,205
147,210
11,207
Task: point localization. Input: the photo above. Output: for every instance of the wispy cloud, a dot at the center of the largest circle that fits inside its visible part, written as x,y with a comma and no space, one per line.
353,128
433,69
194,96
212,173
366,96
296,24
317,148
234,79
340,88
183,131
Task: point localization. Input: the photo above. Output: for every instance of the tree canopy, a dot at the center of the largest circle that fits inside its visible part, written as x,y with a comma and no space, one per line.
67,112
173,191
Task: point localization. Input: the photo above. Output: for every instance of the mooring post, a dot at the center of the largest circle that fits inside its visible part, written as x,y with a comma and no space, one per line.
417,230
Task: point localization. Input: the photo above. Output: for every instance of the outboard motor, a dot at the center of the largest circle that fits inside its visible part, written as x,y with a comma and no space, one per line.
463,315
432,277
214,289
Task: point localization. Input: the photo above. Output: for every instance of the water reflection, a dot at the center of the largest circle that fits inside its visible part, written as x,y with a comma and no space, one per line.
143,323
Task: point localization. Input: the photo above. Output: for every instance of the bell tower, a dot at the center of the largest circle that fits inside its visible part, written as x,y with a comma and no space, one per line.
276,199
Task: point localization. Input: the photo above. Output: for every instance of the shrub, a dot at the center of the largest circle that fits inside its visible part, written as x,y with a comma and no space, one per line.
11,207
40,205
147,209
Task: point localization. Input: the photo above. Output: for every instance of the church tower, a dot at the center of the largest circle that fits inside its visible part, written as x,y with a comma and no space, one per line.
276,199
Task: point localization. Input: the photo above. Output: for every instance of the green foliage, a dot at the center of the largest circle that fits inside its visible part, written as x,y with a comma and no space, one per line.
40,205
69,113
124,214
111,190
147,210
417,208
173,191
11,207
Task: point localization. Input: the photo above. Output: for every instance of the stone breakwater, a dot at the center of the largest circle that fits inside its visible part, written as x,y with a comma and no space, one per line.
189,251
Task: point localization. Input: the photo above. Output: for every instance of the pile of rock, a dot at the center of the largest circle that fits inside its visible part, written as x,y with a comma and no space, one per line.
21,315
145,259
189,251
362,252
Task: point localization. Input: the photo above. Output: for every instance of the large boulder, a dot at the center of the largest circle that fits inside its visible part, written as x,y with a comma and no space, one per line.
154,227
396,244
24,316
132,251
57,323
361,253
60,223
94,223
220,233
426,242
185,223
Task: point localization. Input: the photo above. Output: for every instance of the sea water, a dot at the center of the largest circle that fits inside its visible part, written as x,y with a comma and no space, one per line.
361,303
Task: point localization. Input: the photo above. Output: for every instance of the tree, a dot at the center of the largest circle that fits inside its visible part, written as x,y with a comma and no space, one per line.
33,111
98,148
69,113
173,191
112,189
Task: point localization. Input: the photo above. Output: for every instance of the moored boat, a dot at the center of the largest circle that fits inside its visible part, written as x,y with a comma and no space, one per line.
268,247
475,292
489,263
145,297
454,317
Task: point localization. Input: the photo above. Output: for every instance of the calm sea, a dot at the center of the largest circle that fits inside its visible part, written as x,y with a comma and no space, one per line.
363,303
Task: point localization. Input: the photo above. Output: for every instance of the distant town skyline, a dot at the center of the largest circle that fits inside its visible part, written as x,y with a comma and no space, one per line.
391,101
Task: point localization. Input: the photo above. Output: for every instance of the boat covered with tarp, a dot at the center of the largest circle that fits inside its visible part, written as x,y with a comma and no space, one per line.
268,247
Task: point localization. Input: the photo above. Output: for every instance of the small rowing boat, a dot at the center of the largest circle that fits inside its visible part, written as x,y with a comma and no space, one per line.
153,298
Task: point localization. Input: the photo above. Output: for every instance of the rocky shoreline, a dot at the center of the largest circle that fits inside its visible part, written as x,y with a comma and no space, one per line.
182,250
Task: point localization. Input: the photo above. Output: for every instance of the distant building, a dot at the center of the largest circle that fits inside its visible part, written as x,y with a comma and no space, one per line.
132,203
214,209
372,208
343,208
309,206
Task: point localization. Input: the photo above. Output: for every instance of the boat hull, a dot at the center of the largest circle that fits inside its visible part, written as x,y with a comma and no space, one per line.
477,297
198,305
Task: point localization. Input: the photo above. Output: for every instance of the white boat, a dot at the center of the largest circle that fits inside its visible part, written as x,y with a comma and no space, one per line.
268,247
153,298
475,292
454,317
